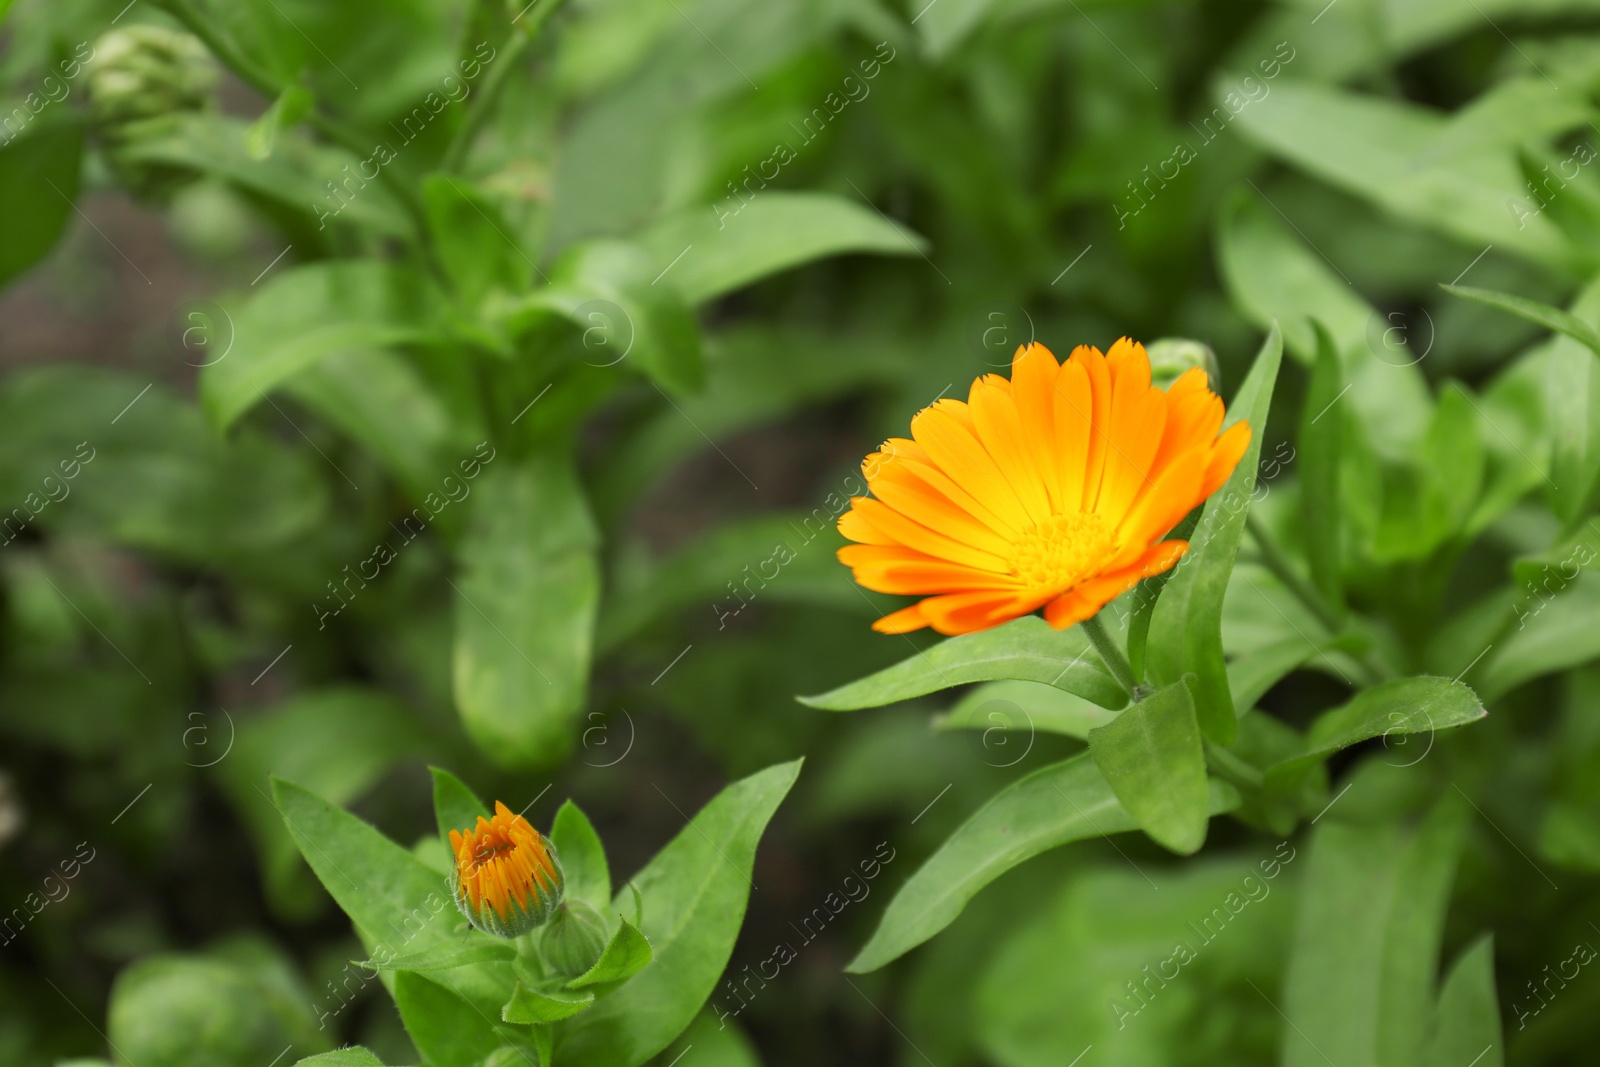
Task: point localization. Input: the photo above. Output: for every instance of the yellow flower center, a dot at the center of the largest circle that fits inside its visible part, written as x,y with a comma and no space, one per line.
1062,551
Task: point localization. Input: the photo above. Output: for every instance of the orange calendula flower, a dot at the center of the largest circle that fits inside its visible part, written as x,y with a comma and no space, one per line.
506,879
1049,490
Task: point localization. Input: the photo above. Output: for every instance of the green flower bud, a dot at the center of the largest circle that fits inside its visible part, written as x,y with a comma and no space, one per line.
141,79
506,879
1170,357
574,940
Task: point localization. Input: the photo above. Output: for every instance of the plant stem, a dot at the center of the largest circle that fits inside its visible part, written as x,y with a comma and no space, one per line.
476,114
1115,660
1231,768
515,45
1284,571
1276,562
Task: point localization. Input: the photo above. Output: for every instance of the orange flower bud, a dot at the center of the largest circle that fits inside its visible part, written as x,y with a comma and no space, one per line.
506,879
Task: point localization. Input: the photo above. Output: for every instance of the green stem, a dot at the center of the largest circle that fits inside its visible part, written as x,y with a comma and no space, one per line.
1275,561
1115,660
1231,768
480,108
478,112
1279,565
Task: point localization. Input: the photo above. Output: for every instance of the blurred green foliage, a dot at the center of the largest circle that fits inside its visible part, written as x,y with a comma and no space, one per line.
533,357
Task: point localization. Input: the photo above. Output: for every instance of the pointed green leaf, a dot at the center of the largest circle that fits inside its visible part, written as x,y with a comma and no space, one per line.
1321,433
446,956
583,857
289,108
1147,594
31,215
1365,995
1022,707
695,892
626,955
1151,757
474,243
447,1030
1067,801
455,806
1027,649
1562,633
305,314
1251,675
396,902
1273,276
605,289
344,1057
526,598
1421,705
1574,407
1368,145
705,254
1466,1020
1543,314
1186,629
532,1006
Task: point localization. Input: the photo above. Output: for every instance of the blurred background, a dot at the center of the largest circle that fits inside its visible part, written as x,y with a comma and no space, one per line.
177,616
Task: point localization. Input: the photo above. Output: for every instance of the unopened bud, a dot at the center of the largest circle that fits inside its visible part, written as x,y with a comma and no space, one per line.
506,879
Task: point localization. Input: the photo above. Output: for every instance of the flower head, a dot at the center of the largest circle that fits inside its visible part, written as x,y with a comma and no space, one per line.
506,879
1049,490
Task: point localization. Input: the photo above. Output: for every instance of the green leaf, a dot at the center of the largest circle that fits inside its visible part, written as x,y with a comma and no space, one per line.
1517,111
532,1006
344,1057
305,314
721,1041
32,213
157,478
447,1030
627,953
295,175
473,241
1563,633
337,742
734,243
1550,318
289,108
1064,802
1366,946
1273,276
1573,409
1026,649
1024,706
583,857
1186,628
1368,146
945,25
695,891
1145,597
382,402
1321,431
455,805
525,609
605,289
1423,704
1250,676
446,957
1466,1021
396,903
1151,757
